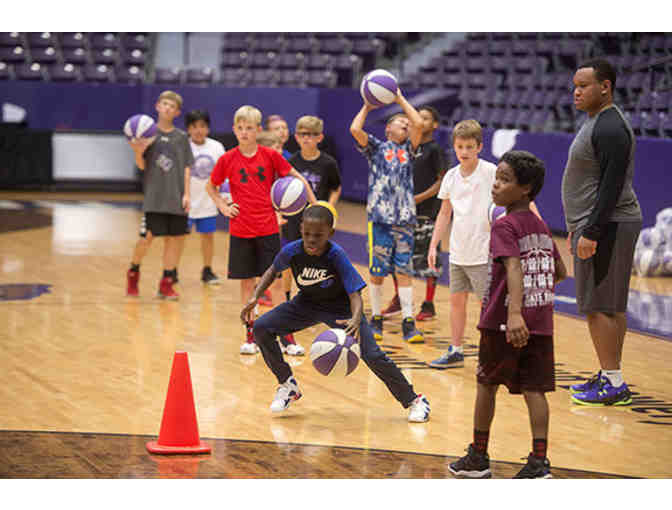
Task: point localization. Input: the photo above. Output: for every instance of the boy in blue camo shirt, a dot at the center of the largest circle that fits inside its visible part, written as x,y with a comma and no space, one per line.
390,208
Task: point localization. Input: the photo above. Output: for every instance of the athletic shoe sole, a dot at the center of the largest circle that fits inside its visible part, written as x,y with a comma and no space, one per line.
443,366
415,339
471,474
624,402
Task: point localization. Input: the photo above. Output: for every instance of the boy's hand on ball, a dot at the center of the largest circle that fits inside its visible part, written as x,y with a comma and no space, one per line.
141,144
351,327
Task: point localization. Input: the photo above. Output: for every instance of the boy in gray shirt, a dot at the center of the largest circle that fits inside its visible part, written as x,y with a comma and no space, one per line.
166,160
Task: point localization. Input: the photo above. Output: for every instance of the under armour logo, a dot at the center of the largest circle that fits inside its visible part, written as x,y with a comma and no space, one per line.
260,173
243,175
400,154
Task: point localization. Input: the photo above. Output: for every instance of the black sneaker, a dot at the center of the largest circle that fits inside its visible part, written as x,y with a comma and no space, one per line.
173,275
209,277
473,465
535,468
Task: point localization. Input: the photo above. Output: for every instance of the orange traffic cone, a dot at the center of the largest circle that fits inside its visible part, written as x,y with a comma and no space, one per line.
179,428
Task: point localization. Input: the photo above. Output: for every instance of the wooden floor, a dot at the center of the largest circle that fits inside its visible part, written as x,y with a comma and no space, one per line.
84,372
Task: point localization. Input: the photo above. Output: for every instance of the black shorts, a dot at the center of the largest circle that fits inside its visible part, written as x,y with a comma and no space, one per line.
529,368
165,224
603,280
251,256
291,231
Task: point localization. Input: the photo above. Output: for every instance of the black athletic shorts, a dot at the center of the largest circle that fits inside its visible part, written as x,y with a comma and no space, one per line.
529,368
164,224
251,256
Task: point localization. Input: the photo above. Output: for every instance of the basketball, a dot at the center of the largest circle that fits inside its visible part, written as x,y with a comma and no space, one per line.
495,212
334,352
140,126
648,262
651,237
288,195
379,88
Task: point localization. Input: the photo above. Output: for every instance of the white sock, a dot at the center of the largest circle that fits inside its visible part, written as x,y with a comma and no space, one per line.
615,377
406,300
376,297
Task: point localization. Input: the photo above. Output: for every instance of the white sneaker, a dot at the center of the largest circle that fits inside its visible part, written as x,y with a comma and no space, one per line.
293,350
249,348
419,410
286,393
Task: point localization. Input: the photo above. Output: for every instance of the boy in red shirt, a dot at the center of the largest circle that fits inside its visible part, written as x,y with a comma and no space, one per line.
255,240
516,346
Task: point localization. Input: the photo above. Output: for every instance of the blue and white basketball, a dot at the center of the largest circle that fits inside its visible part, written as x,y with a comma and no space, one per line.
334,353
648,262
495,212
288,195
140,126
379,87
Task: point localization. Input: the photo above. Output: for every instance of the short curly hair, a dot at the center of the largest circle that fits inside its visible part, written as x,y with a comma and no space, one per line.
528,169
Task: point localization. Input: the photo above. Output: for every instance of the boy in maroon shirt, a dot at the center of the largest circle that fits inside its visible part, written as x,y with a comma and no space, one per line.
516,346
255,240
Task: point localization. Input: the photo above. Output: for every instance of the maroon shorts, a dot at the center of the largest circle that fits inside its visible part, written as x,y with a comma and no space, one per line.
530,368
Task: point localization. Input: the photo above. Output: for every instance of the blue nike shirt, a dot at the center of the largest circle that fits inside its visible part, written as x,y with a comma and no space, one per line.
325,280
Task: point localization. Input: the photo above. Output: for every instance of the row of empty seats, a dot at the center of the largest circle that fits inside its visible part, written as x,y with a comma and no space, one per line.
244,77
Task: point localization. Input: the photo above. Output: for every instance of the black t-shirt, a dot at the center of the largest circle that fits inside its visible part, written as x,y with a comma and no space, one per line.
428,166
322,173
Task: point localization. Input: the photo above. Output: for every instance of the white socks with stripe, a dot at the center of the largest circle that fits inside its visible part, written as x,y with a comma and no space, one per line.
406,300
615,377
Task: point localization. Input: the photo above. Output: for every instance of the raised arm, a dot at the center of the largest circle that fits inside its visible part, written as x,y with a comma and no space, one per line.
414,119
357,126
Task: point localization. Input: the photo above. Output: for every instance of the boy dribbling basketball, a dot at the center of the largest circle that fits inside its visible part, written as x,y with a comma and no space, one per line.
329,292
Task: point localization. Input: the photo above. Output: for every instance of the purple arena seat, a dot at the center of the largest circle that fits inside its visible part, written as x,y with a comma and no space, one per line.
130,74
101,73
47,55
136,57
290,61
235,59
322,78
202,76
319,61
12,39
136,42
33,72
167,75
263,60
102,41
75,55
4,71
106,56
65,72
15,55
301,44
234,77
336,46
235,41
293,78
264,78
74,40
41,39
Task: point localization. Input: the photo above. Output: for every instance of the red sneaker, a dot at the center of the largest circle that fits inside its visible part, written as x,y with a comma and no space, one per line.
166,290
266,299
132,279
393,308
427,311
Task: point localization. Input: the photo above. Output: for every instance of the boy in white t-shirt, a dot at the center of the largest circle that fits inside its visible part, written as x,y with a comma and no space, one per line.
203,212
466,193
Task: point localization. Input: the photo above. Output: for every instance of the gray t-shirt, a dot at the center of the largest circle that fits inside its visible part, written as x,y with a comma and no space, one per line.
597,183
165,161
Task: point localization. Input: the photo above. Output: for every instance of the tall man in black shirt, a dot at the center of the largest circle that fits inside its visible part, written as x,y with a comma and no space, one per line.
603,219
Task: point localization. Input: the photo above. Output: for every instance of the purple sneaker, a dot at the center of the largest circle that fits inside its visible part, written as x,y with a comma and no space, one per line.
580,388
604,394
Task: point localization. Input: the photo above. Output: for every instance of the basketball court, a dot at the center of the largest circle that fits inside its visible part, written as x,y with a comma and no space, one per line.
85,370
